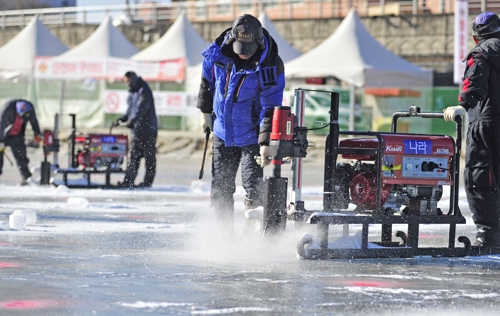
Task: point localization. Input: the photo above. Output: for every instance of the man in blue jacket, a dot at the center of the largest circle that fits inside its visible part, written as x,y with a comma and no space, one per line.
242,81
480,97
142,121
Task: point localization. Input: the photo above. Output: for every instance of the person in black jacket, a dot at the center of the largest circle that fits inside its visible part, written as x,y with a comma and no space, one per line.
14,116
142,121
480,97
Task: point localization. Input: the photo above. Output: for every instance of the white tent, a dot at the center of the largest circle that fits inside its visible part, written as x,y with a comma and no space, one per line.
106,41
180,41
352,55
102,55
17,56
285,50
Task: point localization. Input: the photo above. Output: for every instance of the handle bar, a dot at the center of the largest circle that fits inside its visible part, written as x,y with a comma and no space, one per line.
414,111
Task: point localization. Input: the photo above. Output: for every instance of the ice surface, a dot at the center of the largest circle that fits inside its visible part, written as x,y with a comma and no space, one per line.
62,189
4,225
153,305
158,252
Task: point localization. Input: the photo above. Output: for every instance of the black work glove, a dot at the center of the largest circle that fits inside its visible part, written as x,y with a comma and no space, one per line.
118,121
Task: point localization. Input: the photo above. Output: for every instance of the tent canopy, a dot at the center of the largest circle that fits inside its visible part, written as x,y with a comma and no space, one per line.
285,50
352,55
106,41
34,40
180,41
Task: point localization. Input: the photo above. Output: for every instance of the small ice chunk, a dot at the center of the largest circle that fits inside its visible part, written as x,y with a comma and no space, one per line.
17,221
253,218
78,201
255,213
30,216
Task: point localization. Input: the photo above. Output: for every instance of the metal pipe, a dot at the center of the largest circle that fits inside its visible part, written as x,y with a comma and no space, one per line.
331,152
296,193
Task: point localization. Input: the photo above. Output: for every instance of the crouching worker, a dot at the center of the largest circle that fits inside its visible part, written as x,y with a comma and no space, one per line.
14,116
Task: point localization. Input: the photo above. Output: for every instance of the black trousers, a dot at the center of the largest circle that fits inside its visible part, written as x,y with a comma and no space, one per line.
16,144
225,164
482,177
142,146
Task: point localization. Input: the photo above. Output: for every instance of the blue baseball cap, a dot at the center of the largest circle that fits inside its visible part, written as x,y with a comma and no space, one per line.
22,107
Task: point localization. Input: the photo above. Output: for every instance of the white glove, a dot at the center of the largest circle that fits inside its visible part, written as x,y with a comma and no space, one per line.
207,121
264,159
2,146
452,111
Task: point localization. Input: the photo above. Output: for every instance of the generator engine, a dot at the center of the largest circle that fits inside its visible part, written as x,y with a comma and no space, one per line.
100,150
413,170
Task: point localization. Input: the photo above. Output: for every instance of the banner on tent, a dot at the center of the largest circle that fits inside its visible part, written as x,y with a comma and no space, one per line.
166,103
107,68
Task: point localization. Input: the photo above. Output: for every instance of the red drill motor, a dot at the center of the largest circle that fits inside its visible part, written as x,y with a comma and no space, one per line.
287,140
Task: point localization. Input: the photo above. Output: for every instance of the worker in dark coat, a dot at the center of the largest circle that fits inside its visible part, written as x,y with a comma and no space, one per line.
14,116
480,97
141,119
243,80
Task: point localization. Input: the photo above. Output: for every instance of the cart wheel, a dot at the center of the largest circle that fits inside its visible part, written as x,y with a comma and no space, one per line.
303,241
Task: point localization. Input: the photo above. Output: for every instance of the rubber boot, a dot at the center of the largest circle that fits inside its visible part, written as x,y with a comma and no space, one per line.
487,241
250,204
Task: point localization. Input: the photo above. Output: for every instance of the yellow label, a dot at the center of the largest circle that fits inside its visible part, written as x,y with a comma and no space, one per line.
396,167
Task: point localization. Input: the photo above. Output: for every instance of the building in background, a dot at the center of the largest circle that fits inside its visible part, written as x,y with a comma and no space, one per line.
58,3
35,4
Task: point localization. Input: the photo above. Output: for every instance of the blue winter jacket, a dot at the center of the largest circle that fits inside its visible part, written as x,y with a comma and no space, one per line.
241,94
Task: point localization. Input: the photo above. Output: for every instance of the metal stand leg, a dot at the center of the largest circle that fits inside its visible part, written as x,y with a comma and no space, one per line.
364,237
451,236
386,233
108,178
323,237
413,230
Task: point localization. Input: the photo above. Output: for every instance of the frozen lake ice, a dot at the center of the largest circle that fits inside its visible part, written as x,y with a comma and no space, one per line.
121,252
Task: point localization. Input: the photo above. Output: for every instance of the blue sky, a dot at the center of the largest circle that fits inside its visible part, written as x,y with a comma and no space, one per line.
107,2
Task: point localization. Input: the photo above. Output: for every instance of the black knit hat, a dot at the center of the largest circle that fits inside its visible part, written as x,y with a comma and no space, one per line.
485,23
247,35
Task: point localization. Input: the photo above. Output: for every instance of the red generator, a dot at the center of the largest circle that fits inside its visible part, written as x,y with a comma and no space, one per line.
413,169
88,155
100,150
